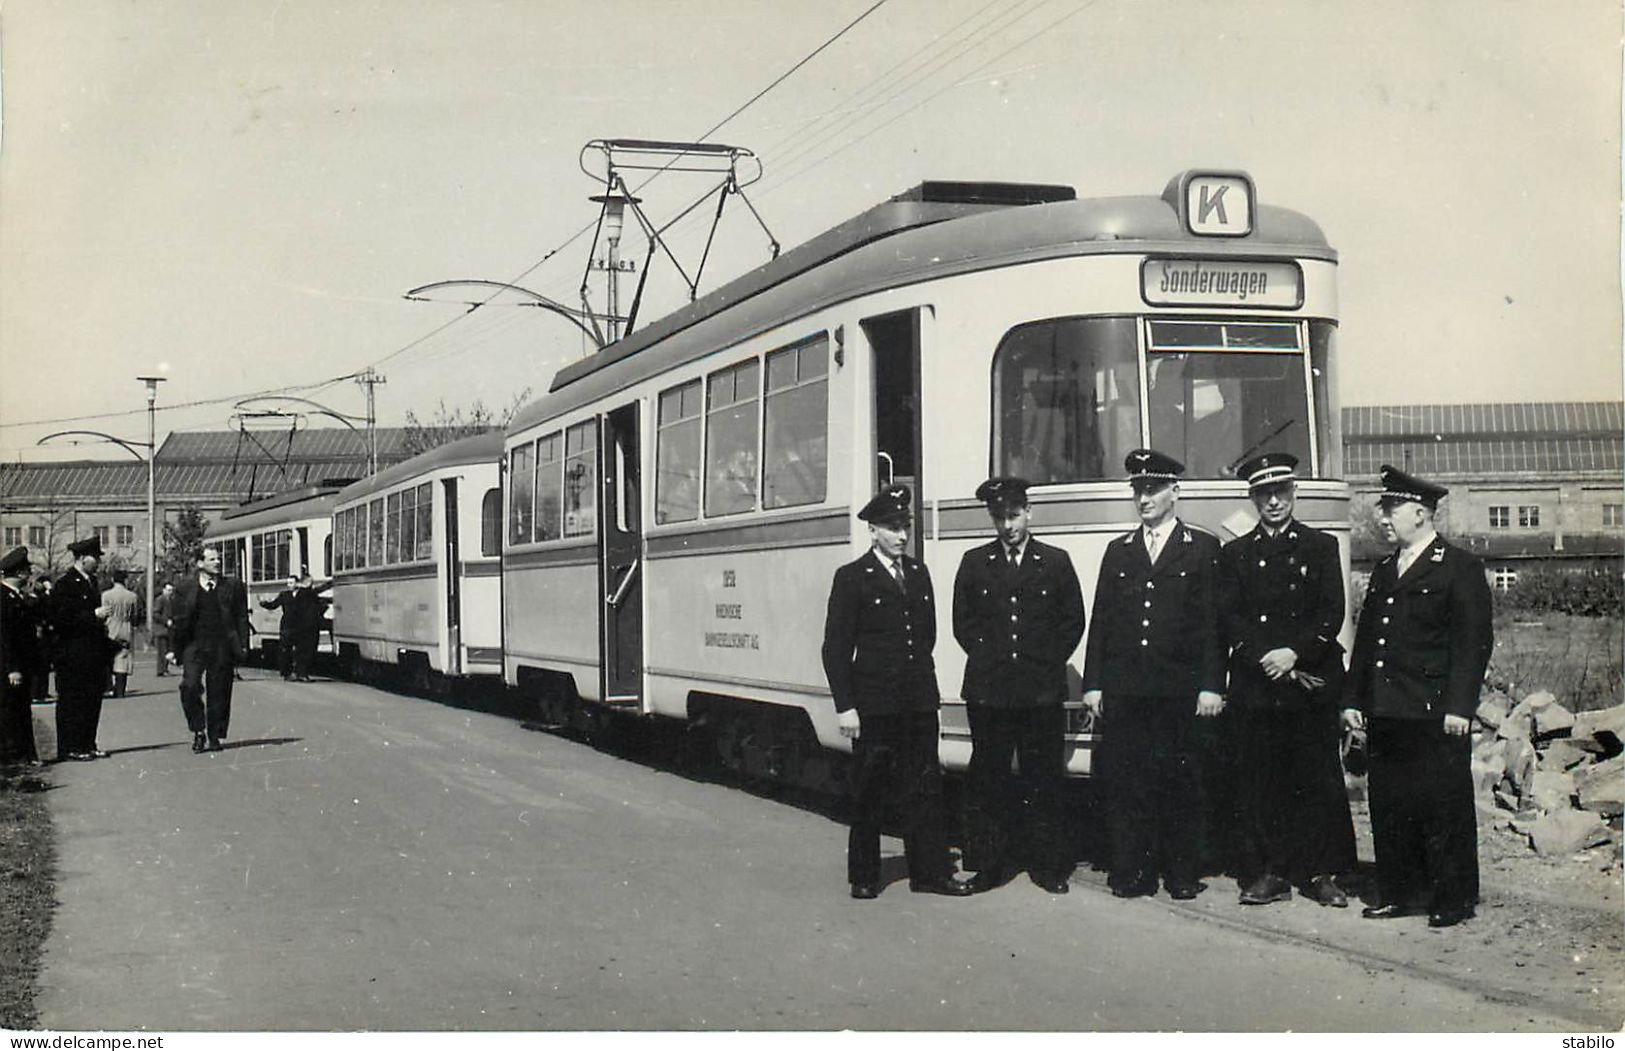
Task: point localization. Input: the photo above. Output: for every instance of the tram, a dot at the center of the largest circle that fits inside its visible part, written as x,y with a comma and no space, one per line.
266,542
675,505
417,566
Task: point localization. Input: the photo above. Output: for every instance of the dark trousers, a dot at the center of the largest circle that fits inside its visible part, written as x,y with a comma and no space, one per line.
1293,806
78,711
206,677
160,643
1150,756
304,652
1011,813
894,759
17,723
1423,823
286,644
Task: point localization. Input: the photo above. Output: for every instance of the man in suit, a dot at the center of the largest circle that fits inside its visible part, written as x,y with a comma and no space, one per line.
19,659
162,610
1154,672
1018,615
209,633
879,632
1281,607
82,655
1420,652
121,606
287,628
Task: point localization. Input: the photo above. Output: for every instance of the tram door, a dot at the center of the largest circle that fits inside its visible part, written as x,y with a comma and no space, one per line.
620,526
894,343
454,583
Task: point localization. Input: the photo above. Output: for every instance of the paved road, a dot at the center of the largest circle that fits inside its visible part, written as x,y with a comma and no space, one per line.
360,860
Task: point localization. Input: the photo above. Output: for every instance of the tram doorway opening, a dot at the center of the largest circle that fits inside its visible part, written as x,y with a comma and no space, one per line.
894,343
621,527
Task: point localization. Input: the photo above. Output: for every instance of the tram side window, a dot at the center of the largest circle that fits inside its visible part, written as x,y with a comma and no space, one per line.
491,523
1328,422
392,533
375,532
1066,399
408,523
425,530
580,478
229,565
795,453
1220,392
521,490
730,439
677,455
549,488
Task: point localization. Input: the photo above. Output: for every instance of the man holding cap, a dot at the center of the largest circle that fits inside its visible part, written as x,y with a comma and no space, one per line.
878,636
1018,615
83,655
1281,607
1420,652
1154,670
19,660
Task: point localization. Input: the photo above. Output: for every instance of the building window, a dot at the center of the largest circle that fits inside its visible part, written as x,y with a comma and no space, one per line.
731,466
1500,516
36,536
1612,514
104,535
126,535
1504,579
1528,516
14,536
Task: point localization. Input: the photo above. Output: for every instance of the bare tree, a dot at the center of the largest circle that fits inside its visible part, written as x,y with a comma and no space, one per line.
448,424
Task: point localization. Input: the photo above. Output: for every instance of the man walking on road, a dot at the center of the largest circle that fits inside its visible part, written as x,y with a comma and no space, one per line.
1420,653
1281,608
210,631
121,608
878,636
1154,671
1018,615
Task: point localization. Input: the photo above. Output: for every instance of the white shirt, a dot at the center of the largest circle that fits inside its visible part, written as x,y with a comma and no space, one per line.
1409,553
1155,538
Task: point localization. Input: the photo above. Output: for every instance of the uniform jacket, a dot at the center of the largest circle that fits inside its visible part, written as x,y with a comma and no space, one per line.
1282,591
19,635
301,610
120,602
1424,639
81,651
1156,628
878,640
233,599
1018,627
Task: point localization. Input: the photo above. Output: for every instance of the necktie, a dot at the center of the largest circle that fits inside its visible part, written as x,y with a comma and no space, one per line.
208,585
1405,560
1153,544
1012,558
897,575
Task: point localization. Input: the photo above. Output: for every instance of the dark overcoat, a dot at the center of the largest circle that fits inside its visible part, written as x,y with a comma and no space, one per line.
20,649
1285,590
878,639
1017,627
1155,628
1424,639
82,653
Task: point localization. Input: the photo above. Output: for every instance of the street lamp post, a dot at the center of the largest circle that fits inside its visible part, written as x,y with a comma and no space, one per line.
152,500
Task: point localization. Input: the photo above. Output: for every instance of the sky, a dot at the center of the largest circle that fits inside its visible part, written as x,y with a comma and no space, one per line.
236,194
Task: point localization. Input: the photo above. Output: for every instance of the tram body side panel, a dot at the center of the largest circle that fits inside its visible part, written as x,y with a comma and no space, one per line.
481,641
550,603
381,613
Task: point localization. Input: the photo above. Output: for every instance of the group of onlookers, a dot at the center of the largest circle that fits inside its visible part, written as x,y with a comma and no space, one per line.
1217,687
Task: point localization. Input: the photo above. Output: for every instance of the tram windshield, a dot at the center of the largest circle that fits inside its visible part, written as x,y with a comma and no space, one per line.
1067,395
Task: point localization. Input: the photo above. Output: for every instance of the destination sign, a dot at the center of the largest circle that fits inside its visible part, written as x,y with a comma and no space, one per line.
1212,282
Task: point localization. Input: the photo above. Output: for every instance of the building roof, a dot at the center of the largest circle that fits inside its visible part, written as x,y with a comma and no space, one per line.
1482,440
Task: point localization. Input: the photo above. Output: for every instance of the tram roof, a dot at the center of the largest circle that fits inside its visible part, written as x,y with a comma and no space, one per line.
309,502
935,230
485,447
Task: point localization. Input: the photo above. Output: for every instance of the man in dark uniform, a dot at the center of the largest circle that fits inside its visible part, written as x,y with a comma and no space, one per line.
1420,652
1281,607
1154,671
19,659
287,636
878,636
82,654
1018,615
209,633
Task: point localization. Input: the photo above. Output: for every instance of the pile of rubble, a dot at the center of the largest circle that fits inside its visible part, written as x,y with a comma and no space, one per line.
1550,774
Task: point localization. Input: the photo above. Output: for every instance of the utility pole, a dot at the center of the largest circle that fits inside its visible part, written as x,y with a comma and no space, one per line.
370,379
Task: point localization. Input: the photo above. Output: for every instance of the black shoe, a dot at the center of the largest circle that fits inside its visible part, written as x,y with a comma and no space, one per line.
1140,888
947,886
1325,891
1052,884
198,742
215,745
1449,915
1384,912
986,880
1185,891
865,891
1266,889
97,753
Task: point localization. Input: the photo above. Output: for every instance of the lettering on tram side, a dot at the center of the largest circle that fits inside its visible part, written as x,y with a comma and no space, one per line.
731,640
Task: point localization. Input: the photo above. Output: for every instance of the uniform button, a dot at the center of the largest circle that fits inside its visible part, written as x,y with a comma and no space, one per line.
1379,664
1390,600
1147,603
1012,654
1145,623
1263,618
1385,620
1012,618
1012,598
1152,584
1145,642
1262,563
1382,642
